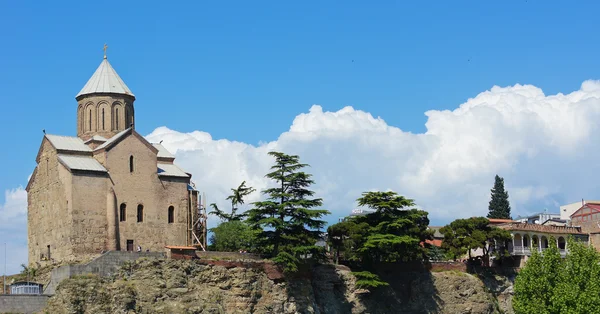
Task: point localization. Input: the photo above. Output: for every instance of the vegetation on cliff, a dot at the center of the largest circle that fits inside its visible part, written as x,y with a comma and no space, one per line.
551,284
287,222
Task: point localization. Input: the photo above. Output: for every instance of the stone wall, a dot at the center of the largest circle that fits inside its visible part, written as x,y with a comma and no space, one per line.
49,208
104,265
143,187
22,303
227,255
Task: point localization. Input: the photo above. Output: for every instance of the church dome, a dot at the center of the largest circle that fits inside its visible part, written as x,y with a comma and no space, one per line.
105,81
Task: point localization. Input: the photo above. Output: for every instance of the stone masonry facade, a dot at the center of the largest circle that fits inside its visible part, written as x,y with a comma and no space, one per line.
108,189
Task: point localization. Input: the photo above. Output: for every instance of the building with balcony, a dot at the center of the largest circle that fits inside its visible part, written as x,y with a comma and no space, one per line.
527,238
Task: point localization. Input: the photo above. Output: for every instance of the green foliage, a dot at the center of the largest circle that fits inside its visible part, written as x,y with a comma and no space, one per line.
463,235
499,206
236,198
368,280
286,221
550,284
232,236
390,234
436,254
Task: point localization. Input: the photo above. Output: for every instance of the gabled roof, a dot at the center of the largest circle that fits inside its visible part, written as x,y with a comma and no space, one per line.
171,170
162,152
82,163
113,139
96,138
121,135
105,80
68,143
594,208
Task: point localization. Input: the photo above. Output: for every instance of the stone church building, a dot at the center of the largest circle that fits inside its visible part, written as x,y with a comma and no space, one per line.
108,188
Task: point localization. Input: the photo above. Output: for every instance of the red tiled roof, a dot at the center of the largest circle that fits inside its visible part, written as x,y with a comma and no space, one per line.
519,226
499,221
435,242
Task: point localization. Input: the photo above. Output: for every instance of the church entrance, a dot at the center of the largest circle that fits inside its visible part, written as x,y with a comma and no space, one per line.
130,245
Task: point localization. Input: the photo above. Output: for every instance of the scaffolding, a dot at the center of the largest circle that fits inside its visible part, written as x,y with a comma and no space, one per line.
197,219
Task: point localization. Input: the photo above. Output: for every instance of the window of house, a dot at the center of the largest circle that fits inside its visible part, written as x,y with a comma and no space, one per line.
171,214
122,212
140,213
90,120
131,163
103,119
117,118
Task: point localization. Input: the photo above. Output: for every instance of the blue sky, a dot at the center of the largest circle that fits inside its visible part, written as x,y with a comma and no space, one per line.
243,70
249,73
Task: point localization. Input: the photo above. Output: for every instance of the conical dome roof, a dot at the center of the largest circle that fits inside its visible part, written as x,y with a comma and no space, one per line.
105,80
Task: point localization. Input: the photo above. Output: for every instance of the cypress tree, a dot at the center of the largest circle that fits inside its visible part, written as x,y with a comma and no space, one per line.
288,224
499,206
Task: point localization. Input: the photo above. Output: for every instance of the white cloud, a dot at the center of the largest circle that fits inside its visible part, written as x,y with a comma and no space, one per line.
13,230
542,145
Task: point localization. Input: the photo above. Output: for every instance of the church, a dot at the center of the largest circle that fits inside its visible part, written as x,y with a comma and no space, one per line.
108,188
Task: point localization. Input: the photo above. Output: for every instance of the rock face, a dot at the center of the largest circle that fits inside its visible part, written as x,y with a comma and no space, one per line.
172,286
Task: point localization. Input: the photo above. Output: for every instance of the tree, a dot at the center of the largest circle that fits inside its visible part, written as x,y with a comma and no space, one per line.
236,198
231,236
391,233
289,226
551,284
463,235
499,206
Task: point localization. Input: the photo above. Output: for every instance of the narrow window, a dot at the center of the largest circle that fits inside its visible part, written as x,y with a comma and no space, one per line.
117,118
131,163
103,119
122,212
90,120
126,117
171,214
140,213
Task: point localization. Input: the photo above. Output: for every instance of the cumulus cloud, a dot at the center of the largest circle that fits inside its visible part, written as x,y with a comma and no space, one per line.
544,147
13,229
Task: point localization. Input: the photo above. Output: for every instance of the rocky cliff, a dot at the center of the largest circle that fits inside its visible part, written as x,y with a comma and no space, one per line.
176,286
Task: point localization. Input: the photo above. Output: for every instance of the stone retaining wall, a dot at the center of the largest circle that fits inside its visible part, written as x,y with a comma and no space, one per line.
20,303
104,265
227,255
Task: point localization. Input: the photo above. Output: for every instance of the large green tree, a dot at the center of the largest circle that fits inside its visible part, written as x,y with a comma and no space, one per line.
288,222
499,206
550,284
391,233
236,198
232,236
463,235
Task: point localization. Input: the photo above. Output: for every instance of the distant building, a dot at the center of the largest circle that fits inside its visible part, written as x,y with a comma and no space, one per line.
567,210
438,237
538,218
26,287
527,238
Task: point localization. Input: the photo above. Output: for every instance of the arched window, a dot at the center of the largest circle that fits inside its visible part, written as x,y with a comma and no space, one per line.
140,213
117,118
171,214
126,117
122,212
103,119
90,119
131,163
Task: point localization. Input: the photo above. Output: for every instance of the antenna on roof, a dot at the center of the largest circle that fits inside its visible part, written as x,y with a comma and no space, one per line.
160,142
